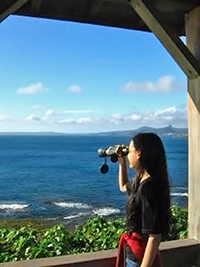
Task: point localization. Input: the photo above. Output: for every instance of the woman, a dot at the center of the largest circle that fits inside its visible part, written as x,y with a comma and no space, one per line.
148,205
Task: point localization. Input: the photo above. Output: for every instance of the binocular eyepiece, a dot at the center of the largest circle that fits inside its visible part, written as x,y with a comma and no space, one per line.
112,152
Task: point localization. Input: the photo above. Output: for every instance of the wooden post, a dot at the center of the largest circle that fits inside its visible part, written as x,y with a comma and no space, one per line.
171,42
193,43
12,9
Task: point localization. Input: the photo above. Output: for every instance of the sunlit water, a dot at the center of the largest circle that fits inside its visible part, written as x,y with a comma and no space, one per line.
58,177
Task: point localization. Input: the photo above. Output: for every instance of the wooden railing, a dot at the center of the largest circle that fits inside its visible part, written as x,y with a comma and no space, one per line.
180,253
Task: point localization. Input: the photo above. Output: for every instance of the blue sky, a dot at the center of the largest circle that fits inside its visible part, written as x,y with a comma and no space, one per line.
75,78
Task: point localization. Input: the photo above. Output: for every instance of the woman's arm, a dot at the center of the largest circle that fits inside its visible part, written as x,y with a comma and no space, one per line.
123,174
151,250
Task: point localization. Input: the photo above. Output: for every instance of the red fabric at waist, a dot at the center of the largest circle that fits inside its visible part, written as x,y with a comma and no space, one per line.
137,243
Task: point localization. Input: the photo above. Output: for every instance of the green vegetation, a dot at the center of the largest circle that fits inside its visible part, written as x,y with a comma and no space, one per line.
179,224
33,240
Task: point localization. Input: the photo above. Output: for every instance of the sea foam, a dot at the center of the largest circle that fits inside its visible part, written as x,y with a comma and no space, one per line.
76,205
73,216
13,207
179,194
106,211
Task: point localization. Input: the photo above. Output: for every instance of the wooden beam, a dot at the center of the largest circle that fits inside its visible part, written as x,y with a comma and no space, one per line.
178,50
12,9
35,4
92,9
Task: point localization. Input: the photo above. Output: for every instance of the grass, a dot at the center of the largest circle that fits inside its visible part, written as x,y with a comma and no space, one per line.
38,224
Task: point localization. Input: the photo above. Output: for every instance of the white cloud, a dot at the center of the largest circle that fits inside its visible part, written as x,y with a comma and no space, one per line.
170,111
32,89
49,113
75,89
31,117
81,111
116,118
164,84
171,115
176,116
156,118
37,107
81,120
66,121
3,117
135,117
84,120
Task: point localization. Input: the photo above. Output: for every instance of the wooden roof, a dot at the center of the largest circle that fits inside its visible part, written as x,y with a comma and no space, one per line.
117,13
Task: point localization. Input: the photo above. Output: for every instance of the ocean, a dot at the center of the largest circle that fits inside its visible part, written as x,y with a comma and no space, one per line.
58,178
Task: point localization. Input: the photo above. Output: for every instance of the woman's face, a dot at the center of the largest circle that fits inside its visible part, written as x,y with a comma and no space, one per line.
133,156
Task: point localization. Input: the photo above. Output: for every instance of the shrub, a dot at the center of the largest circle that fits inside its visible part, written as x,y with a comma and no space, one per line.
96,234
179,226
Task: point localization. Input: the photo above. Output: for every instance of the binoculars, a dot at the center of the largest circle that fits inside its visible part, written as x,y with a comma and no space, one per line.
112,153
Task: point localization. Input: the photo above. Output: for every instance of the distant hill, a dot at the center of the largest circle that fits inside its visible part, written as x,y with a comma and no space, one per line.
165,131
33,133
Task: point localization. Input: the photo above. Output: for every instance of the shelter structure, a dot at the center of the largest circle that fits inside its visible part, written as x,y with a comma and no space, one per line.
168,20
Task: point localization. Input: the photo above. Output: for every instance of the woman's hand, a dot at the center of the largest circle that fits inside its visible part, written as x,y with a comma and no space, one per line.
120,153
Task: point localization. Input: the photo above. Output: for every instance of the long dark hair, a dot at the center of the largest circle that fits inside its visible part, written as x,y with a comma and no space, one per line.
153,160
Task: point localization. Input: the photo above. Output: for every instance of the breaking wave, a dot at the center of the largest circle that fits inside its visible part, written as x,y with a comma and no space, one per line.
179,194
13,207
76,205
73,216
106,211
